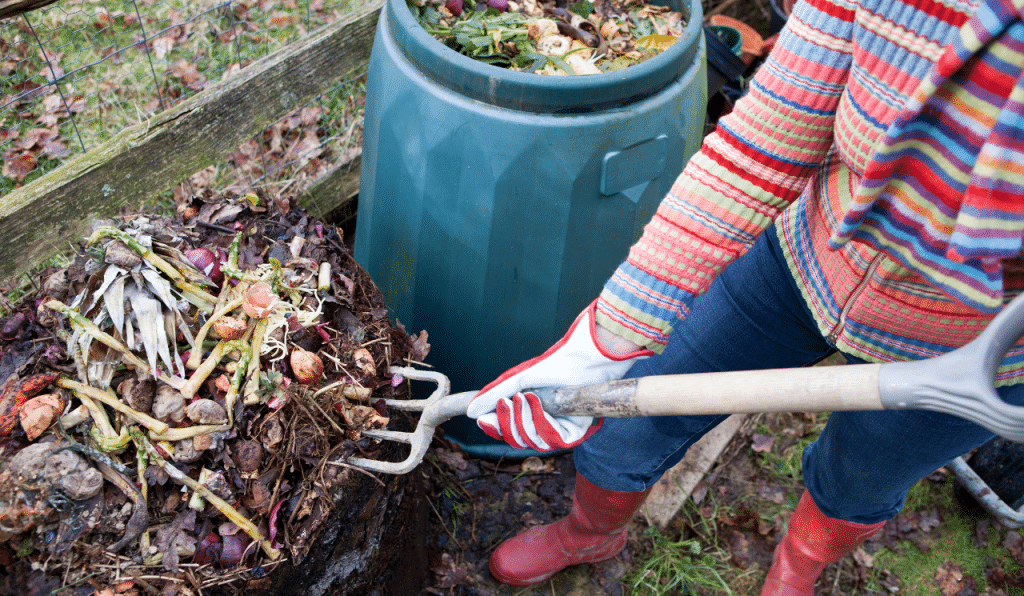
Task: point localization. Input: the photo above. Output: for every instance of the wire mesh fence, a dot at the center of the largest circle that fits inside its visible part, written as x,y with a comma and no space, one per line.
75,73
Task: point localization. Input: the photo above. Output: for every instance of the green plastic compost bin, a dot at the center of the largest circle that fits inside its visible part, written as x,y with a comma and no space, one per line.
493,205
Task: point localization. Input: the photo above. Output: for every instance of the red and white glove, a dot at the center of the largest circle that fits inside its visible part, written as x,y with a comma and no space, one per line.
505,412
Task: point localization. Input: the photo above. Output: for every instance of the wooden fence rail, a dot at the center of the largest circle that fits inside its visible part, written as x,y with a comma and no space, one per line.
40,219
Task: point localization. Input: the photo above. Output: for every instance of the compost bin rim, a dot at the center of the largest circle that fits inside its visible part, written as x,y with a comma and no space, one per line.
548,94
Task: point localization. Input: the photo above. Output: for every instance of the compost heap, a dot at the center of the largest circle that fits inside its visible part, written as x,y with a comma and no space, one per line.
180,401
552,37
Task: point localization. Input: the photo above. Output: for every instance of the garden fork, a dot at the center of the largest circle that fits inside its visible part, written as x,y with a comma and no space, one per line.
958,383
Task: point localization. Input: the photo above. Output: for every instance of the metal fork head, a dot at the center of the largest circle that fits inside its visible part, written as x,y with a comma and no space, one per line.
961,382
434,410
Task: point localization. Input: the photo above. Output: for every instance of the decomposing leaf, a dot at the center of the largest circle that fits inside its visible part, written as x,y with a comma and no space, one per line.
118,253
762,443
455,459
272,433
248,455
177,539
1015,544
451,574
364,361
19,165
420,347
948,578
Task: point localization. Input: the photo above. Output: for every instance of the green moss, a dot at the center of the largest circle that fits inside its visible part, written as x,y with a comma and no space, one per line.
953,540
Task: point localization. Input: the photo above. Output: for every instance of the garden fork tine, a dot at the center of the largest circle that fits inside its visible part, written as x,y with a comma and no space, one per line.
437,408
959,383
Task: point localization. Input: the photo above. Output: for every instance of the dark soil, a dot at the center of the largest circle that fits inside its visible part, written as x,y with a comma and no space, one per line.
738,511
477,504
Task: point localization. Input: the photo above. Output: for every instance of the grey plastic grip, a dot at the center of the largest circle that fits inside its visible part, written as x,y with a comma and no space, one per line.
961,382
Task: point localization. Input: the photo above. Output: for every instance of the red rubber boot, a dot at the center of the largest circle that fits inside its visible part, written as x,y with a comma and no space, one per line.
813,541
595,530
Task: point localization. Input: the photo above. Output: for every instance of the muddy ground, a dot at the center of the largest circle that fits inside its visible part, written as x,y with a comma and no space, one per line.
476,504
738,512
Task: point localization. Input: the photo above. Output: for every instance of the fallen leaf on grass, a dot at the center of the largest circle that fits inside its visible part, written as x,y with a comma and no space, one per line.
999,581
862,558
189,75
772,493
18,166
162,46
281,19
451,574
453,459
699,492
929,520
302,117
55,147
739,547
762,443
981,532
1015,544
948,578
911,526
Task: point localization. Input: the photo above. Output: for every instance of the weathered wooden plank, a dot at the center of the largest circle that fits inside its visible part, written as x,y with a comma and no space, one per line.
676,486
13,8
40,219
334,189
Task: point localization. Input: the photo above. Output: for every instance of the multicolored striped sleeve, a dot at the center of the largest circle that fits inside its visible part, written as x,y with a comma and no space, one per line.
756,163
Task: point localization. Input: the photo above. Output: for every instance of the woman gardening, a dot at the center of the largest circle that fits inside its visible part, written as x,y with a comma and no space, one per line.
864,197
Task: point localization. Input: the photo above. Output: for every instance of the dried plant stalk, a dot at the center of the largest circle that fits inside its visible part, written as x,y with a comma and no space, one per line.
189,289
203,371
252,383
236,382
99,417
111,342
222,506
90,392
195,357
188,432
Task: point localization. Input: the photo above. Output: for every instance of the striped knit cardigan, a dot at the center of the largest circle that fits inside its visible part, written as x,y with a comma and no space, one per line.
883,137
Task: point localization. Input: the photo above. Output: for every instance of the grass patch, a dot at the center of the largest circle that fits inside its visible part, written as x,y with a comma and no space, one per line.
950,547
682,566
86,71
781,461
25,286
692,557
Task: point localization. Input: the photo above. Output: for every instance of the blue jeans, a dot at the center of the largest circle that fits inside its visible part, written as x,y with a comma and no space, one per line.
753,317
